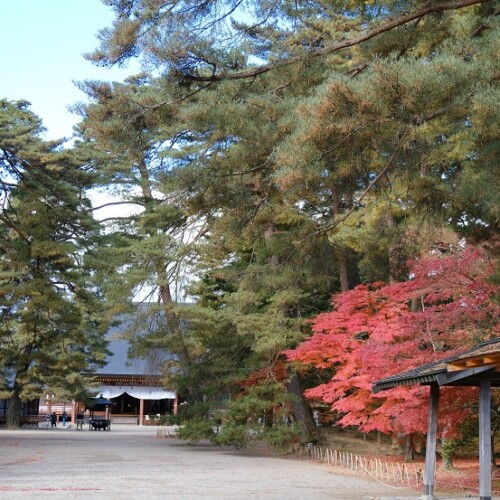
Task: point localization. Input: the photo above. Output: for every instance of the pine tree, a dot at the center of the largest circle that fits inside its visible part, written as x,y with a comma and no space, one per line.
50,311
312,146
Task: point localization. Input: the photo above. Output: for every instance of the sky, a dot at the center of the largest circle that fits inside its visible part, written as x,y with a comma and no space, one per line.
42,43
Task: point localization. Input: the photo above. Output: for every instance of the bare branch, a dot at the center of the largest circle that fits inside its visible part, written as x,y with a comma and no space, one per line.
112,203
115,218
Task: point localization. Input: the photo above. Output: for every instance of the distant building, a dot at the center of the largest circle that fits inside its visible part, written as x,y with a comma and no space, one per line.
133,384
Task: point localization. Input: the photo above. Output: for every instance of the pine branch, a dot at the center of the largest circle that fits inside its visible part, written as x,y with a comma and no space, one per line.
483,27
330,49
175,101
9,223
357,204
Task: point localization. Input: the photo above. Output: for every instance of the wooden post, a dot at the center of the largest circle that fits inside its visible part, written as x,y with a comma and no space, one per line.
485,440
141,412
430,449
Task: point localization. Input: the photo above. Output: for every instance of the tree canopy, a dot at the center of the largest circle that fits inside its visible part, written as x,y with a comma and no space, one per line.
49,334
377,330
287,151
276,154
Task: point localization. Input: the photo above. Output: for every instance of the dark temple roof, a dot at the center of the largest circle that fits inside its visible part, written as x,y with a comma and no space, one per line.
120,362
469,368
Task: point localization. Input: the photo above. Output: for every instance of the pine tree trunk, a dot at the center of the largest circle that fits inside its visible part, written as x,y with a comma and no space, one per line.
342,262
340,252
389,222
301,411
174,325
268,418
268,234
173,322
14,412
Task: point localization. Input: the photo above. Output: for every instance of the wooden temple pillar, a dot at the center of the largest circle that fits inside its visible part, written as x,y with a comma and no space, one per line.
141,411
430,450
73,411
485,440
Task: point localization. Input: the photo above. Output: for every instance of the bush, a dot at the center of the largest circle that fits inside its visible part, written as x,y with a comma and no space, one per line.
169,419
232,435
196,430
281,437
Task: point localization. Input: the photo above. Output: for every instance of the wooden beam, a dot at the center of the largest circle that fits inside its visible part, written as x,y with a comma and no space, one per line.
450,377
456,366
430,449
485,440
141,411
484,359
474,362
492,358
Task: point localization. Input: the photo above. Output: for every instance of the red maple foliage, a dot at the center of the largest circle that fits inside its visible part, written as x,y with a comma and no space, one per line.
377,330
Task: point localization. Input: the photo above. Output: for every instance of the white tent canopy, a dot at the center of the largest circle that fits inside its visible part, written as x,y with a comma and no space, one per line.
151,393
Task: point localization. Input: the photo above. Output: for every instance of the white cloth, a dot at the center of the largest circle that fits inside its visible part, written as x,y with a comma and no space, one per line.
154,393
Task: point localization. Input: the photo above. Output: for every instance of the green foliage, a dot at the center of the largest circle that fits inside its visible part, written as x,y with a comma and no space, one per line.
316,147
51,317
195,431
448,449
233,435
282,438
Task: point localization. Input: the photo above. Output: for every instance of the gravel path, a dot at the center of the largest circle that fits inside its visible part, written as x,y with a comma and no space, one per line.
130,462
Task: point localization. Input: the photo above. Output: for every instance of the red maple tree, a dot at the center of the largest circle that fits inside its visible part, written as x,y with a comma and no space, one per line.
377,330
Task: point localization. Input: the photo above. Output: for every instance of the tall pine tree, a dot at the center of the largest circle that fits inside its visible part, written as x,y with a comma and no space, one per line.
50,308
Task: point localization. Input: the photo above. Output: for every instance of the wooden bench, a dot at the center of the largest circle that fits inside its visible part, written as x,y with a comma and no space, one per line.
34,422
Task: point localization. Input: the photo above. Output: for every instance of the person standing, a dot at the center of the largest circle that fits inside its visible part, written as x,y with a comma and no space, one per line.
79,420
53,419
64,418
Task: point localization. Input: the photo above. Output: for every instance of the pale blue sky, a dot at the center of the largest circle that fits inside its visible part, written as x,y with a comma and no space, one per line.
42,43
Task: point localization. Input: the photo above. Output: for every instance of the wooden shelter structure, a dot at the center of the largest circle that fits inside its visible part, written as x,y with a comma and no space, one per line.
100,403
480,367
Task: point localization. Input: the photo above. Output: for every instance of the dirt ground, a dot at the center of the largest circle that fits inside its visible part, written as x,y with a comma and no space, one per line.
130,462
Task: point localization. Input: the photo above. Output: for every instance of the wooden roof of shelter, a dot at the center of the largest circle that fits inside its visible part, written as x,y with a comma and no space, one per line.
99,401
468,368
479,366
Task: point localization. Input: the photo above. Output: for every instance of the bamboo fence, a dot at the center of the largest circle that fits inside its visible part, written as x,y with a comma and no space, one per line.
397,474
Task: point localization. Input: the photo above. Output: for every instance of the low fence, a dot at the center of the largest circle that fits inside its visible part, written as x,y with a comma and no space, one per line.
397,474
167,431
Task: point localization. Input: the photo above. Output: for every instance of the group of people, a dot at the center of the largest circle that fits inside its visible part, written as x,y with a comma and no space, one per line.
53,419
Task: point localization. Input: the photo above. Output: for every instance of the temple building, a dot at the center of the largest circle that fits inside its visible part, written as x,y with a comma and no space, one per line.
133,384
